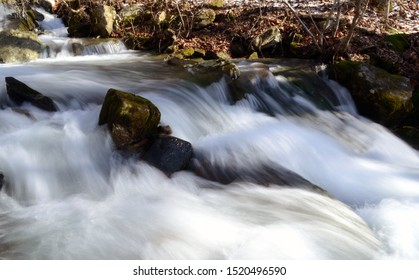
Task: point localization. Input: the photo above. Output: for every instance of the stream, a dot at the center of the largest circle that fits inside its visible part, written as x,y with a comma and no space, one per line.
69,194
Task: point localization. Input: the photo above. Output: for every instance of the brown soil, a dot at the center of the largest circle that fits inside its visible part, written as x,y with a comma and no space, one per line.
241,20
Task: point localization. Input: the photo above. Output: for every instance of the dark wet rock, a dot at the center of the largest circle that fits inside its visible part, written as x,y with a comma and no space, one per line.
131,119
78,24
398,42
19,92
409,134
169,154
1,180
313,87
48,5
240,47
378,95
19,46
280,95
102,19
263,174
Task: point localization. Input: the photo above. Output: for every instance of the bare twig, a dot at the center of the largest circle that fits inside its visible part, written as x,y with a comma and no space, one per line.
339,11
321,40
359,12
303,24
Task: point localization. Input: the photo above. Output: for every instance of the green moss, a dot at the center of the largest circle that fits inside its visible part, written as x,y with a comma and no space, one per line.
231,16
254,55
204,18
223,55
399,42
130,118
187,52
391,102
216,3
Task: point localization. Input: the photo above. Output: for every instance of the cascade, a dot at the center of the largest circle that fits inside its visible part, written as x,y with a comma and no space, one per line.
68,194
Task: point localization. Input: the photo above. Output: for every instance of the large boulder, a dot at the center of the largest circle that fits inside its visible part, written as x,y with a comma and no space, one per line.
19,46
20,92
102,18
169,154
131,119
378,95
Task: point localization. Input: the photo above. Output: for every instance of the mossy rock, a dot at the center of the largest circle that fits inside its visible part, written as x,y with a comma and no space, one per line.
383,63
29,23
378,95
19,46
253,55
268,39
216,4
205,72
204,18
187,52
131,119
161,18
132,14
398,42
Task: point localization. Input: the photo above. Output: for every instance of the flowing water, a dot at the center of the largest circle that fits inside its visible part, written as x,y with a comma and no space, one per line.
68,194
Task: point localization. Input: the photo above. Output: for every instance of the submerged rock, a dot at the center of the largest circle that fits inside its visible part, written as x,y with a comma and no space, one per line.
131,119
216,67
19,46
20,92
378,95
169,154
263,174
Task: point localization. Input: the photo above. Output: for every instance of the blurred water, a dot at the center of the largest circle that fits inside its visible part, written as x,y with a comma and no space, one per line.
70,195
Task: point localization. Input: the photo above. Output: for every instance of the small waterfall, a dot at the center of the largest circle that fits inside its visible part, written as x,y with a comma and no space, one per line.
67,47
284,167
69,195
